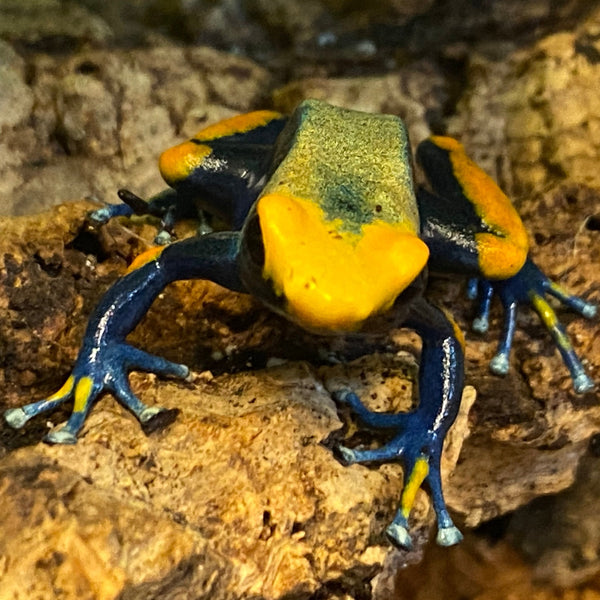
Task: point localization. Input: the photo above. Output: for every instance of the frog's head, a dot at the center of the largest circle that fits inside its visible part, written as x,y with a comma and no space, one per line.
320,275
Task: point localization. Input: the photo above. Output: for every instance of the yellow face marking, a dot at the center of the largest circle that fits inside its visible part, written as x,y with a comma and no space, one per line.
415,479
145,257
83,390
64,390
237,124
502,253
178,162
334,279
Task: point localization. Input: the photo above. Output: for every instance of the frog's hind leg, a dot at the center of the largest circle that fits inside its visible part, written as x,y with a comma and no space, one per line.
471,227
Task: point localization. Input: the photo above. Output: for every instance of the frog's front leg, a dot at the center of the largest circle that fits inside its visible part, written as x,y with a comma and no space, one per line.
169,206
105,359
419,435
471,227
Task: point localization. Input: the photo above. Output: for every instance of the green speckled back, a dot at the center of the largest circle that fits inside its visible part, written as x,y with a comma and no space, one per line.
355,165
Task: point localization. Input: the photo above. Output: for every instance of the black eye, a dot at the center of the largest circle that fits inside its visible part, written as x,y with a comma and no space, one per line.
253,241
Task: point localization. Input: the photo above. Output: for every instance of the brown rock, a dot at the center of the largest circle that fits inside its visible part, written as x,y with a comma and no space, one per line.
85,124
245,473
530,116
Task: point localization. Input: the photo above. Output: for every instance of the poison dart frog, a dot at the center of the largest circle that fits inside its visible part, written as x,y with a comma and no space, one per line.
327,228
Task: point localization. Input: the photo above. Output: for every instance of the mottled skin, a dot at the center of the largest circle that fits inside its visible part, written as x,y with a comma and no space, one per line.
327,229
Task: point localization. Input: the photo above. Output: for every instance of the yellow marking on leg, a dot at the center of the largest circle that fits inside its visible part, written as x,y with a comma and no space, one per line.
550,320
502,253
145,257
64,390
83,390
237,124
458,334
177,163
334,279
559,290
415,480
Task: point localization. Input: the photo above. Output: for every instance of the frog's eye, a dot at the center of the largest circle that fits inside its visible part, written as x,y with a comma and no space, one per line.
329,278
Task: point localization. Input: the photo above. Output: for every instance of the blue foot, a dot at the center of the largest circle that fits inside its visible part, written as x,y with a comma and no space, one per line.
530,286
418,447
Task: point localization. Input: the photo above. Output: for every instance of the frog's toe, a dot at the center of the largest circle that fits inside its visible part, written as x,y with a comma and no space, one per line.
582,383
148,413
588,310
374,419
100,215
15,417
18,417
60,436
345,455
449,536
499,365
399,536
144,361
480,324
163,238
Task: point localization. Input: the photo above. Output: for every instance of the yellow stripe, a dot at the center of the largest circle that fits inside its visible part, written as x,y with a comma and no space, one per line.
64,390
178,162
237,124
550,320
502,253
82,393
145,257
415,479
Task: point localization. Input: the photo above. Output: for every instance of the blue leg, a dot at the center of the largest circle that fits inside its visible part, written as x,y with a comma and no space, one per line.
110,211
105,359
481,322
369,418
501,361
579,305
419,435
581,381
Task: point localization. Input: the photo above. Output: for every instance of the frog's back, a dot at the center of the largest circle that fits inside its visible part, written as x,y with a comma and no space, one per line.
356,166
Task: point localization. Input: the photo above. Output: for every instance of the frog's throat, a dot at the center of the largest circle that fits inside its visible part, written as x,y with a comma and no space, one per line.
331,279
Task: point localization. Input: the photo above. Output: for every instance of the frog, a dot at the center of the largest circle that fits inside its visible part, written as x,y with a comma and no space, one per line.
325,224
